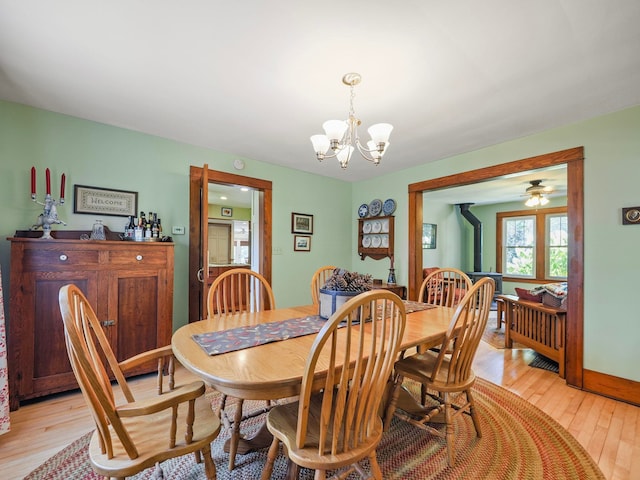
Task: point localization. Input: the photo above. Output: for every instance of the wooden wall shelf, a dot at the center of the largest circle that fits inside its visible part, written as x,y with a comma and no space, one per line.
376,237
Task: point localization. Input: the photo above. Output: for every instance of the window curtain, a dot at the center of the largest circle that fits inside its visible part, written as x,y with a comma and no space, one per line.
4,385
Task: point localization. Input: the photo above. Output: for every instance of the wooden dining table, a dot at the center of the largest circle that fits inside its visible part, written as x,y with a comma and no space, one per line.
274,370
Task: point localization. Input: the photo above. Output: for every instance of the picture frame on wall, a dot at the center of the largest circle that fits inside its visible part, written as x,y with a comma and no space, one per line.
301,223
104,201
429,233
301,243
226,212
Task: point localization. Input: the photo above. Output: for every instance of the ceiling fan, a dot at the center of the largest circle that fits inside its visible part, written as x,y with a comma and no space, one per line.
536,194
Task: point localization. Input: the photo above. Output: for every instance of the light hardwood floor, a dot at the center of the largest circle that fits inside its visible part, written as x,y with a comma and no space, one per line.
609,430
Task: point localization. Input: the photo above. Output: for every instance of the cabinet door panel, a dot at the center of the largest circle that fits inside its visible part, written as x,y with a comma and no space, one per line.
49,369
136,328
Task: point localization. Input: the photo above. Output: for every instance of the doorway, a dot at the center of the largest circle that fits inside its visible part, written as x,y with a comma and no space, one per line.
574,160
198,223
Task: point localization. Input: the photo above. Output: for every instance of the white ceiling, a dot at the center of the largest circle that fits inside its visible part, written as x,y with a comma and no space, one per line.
256,78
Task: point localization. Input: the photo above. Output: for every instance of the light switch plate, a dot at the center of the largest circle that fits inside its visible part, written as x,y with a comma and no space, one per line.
175,230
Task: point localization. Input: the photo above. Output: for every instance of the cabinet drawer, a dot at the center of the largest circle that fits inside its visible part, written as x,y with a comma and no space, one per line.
47,259
138,256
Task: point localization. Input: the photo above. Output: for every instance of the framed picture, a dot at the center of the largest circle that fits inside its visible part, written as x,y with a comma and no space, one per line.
226,212
104,201
429,235
301,223
301,243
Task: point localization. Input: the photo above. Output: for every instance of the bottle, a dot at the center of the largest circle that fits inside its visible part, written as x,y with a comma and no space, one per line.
130,229
143,221
159,229
154,227
147,230
125,230
138,233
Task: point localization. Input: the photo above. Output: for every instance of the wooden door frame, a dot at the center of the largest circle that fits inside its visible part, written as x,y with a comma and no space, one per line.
215,176
574,159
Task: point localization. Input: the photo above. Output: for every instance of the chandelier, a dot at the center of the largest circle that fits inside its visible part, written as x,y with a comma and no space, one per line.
341,136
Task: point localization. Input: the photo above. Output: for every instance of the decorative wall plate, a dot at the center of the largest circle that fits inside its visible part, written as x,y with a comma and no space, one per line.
385,225
377,227
366,228
385,241
631,215
375,207
376,241
363,210
389,206
366,241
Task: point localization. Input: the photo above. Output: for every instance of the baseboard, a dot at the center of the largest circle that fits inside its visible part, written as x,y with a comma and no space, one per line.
610,386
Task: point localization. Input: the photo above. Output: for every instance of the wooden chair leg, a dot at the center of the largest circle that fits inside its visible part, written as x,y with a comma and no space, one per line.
235,435
450,430
375,467
271,458
320,475
474,414
209,465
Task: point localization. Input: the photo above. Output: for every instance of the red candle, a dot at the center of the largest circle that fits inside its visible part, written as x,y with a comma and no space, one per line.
48,180
33,181
62,180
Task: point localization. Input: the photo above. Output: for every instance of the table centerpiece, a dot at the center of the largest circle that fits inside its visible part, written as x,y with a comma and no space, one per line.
341,286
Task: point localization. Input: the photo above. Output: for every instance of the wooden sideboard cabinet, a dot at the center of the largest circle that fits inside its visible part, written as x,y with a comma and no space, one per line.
129,284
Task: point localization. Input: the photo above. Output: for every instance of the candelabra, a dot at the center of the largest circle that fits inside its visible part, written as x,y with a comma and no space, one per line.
49,215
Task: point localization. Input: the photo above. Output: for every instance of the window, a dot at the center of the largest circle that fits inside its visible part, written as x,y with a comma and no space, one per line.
557,233
519,246
533,246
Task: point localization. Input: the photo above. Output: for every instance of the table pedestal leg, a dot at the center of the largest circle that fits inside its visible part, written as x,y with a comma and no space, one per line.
261,439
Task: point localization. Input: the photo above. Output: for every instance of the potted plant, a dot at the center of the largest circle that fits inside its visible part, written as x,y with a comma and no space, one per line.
341,286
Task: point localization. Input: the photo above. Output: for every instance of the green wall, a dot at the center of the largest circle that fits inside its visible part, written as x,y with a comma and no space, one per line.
99,155
237,213
611,171
94,154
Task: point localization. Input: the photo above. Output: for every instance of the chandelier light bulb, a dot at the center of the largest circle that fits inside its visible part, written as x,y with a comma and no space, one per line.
320,145
335,129
380,132
344,155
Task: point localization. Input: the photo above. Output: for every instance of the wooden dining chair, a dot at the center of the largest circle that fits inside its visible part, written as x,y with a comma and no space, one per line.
239,290
235,291
318,280
447,376
135,434
336,422
444,287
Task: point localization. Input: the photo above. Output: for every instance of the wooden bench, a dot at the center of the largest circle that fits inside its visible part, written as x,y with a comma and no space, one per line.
536,326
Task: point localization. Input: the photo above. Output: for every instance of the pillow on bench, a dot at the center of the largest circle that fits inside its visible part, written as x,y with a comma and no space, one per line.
524,294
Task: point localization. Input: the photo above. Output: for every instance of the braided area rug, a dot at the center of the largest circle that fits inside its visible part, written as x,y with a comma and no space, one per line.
519,441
